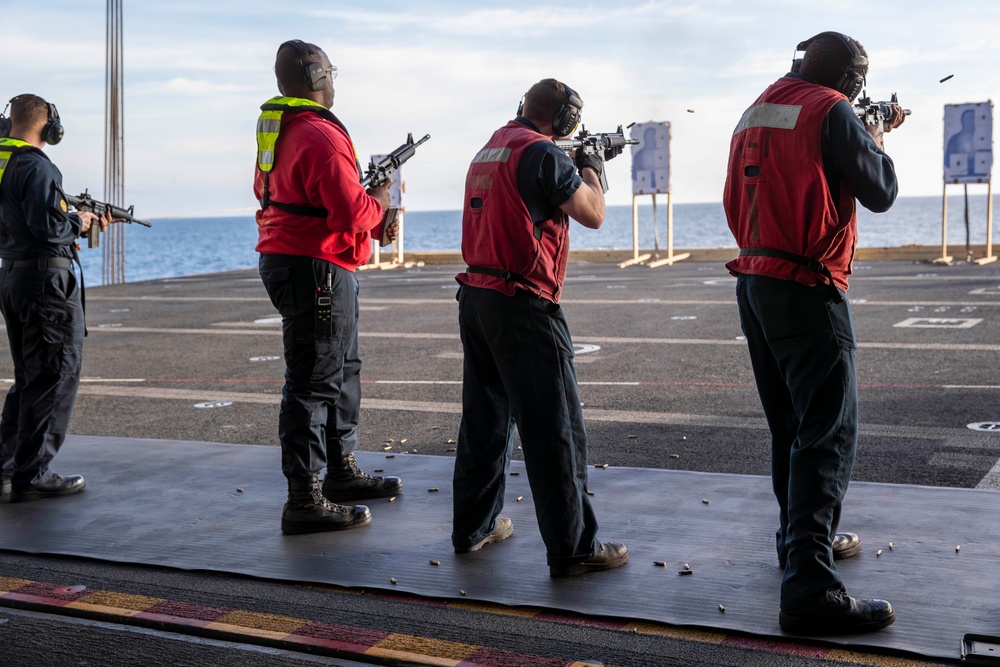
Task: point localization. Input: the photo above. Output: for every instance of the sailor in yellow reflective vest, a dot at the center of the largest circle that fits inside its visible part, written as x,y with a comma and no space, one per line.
41,303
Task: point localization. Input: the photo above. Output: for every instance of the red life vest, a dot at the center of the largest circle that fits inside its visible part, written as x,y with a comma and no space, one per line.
777,195
497,232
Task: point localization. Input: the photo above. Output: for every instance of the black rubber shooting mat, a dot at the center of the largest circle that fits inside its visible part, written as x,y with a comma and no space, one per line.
206,506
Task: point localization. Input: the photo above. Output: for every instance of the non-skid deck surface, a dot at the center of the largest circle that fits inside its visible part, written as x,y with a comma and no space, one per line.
206,506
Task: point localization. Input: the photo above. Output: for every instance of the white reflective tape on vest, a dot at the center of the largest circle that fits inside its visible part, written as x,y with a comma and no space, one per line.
778,116
492,155
4,160
269,125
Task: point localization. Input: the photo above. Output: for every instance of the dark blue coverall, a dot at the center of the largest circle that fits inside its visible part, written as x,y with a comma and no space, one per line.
41,304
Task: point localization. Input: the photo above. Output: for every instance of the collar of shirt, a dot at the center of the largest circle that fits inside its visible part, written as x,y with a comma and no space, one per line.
527,123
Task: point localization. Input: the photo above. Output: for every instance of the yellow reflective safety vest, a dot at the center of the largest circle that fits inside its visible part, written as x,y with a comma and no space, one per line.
269,125
268,129
8,149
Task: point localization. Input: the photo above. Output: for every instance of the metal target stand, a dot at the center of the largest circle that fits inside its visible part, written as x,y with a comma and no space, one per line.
989,258
651,176
968,159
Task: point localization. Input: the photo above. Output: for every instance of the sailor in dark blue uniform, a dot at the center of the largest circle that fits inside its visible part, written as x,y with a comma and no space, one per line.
40,298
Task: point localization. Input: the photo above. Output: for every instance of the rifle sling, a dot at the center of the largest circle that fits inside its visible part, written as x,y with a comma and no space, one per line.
813,265
294,209
505,275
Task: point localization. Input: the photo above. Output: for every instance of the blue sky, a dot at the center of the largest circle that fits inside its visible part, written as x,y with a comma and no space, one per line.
196,73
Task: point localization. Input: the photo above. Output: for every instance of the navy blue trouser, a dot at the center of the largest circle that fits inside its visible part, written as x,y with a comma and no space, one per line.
802,348
44,319
518,371
321,399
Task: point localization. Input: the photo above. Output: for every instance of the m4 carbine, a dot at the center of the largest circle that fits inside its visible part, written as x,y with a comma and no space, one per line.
379,174
604,146
90,205
877,113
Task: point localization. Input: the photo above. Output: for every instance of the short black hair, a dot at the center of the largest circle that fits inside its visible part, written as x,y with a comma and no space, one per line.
29,111
827,58
544,100
288,65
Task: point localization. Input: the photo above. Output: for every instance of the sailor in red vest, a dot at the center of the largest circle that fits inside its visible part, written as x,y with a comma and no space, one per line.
520,192
799,159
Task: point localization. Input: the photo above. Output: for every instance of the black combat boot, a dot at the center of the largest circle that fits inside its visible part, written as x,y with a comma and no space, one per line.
307,511
346,481
52,486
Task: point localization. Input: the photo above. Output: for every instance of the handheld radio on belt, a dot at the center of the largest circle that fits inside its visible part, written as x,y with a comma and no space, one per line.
324,307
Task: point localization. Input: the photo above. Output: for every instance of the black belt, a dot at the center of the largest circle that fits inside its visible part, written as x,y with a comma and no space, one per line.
813,265
39,263
505,275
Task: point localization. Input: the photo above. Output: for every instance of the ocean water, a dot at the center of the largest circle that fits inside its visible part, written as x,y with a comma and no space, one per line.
189,246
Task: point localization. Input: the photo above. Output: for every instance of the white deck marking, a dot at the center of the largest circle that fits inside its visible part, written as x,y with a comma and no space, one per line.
598,340
939,322
958,436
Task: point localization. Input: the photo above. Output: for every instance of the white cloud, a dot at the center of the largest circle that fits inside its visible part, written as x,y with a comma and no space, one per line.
196,72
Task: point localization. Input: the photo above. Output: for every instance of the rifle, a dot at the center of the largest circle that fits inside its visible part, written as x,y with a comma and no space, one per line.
604,146
378,174
88,204
877,113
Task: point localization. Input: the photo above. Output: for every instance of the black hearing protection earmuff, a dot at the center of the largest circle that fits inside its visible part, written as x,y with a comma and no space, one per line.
312,73
568,116
852,81
52,133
